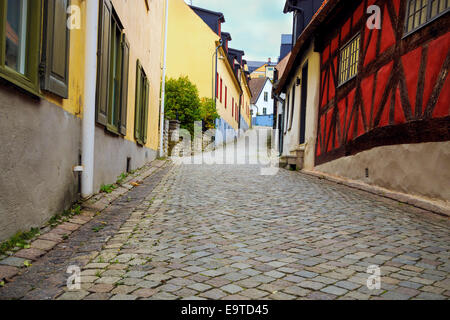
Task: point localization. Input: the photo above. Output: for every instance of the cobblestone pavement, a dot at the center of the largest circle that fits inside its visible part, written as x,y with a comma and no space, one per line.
227,232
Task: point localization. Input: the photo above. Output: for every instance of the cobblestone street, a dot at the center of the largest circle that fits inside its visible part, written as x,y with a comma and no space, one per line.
227,232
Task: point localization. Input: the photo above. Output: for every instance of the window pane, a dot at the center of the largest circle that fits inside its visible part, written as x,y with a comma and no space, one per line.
434,8
423,14
349,60
114,111
443,5
16,31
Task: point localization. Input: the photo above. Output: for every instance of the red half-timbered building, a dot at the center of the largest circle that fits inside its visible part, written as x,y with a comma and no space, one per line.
383,86
383,112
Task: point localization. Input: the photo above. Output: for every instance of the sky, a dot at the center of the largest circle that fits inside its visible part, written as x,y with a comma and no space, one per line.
255,25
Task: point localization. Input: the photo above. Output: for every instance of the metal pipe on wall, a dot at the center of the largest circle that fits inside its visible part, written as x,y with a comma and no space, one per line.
163,89
88,122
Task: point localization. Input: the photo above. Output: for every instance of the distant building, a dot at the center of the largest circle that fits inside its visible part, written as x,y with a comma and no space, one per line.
253,65
261,102
265,69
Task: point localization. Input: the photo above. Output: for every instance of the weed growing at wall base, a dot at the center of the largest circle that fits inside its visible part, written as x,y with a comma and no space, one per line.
19,240
108,188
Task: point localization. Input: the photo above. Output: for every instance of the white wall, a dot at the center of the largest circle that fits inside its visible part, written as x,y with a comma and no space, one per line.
292,136
261,104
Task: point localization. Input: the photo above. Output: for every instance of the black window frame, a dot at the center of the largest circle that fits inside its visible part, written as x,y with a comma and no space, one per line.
348,78
428,19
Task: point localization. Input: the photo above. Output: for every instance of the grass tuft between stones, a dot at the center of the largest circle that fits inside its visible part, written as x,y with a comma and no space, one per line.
20,240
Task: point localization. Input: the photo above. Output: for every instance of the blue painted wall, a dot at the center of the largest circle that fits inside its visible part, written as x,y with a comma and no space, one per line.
263,121
223,126
244,126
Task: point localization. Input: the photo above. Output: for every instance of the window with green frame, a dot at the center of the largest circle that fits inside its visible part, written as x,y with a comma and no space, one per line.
112,73
21,61
19,45
142,100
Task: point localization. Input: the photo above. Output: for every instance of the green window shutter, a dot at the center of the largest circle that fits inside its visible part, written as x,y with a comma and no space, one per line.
137,113
124,85
56,48
145,107
104,41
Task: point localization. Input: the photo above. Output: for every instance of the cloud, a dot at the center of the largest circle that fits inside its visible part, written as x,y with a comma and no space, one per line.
255,25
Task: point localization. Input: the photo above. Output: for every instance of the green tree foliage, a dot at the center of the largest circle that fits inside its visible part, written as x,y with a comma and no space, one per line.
182,100
208,113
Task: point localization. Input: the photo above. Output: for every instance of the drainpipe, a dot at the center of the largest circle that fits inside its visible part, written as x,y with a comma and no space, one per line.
88,122
163,91
215,74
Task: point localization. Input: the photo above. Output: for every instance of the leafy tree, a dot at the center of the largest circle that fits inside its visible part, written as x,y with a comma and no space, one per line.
182,102
208,113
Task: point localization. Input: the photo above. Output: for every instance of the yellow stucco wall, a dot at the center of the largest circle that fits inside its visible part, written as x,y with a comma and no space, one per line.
259,73
190,47
75,101
225,72
246,102
144,30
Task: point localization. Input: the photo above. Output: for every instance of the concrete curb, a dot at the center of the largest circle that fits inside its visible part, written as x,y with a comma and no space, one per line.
416,201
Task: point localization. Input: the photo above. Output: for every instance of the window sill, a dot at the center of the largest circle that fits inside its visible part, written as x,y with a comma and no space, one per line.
112,130
347,81
140,143
21,82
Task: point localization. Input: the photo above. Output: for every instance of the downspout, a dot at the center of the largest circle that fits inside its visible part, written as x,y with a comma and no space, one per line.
215,74
90,81
214,87
163,91
239,113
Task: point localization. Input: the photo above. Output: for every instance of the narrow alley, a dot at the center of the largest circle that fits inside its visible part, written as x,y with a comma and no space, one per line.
228,232
214,150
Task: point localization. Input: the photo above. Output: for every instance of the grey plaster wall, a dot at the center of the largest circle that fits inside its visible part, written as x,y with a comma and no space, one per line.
39,145
111,153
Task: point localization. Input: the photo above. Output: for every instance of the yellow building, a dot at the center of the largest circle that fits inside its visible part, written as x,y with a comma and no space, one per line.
47,98
191,45
259,72
194,34
265,71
